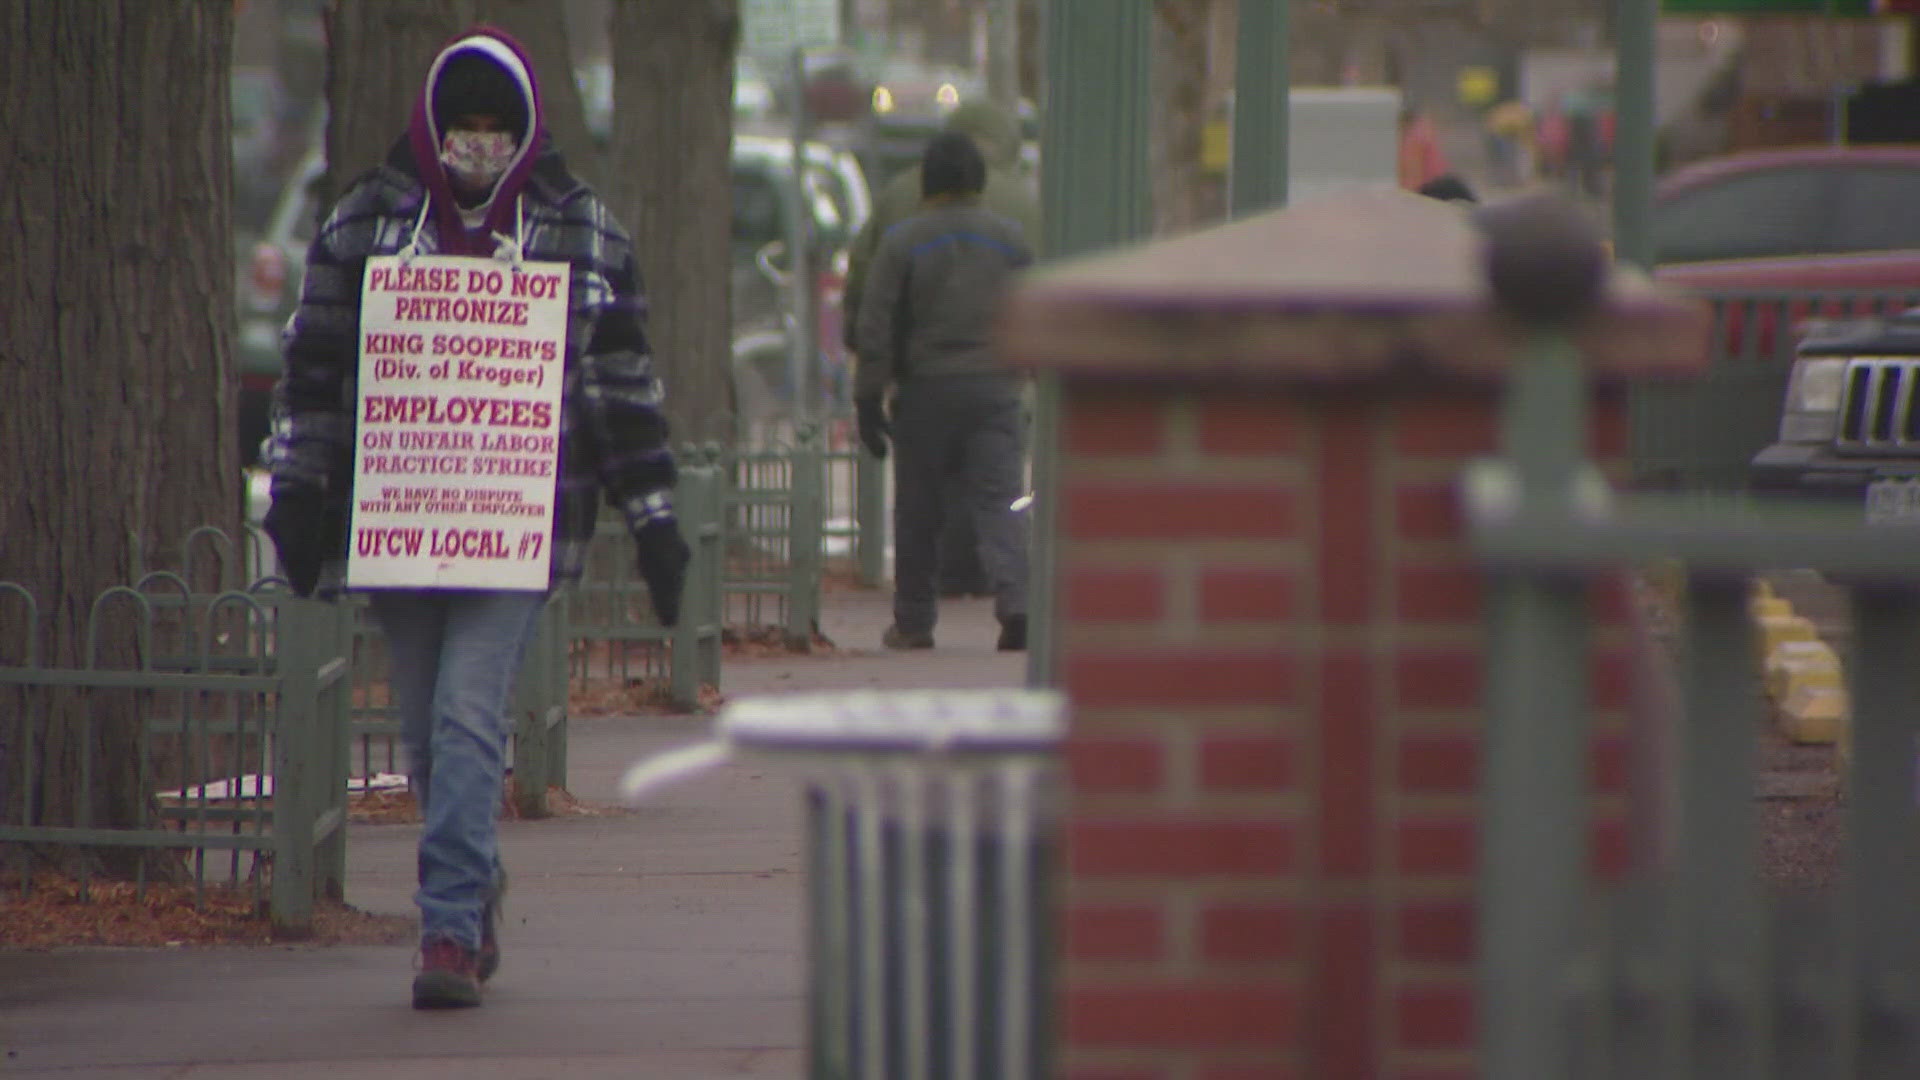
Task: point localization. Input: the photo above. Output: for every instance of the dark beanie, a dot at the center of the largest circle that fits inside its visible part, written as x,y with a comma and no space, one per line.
952,165
473,83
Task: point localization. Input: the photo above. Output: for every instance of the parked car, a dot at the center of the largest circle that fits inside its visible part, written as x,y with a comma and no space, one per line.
1785,240
839,201
1798,209
1849,428
837,198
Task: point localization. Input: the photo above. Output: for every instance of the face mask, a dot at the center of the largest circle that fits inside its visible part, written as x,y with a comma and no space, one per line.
478,158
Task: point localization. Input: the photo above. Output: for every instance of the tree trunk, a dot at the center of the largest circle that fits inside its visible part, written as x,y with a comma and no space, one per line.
672,188
534,23
1182,199
377,57
116,355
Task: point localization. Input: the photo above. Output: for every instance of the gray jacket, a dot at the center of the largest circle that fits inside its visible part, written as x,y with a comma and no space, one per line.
933,294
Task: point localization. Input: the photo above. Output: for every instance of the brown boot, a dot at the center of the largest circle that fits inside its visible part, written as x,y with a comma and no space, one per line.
449,976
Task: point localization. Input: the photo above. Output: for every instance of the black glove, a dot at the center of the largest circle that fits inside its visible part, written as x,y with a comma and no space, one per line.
663,566
875,431
297,521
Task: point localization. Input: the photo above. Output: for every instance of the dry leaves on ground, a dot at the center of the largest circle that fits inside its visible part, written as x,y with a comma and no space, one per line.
761,642
398,807
837,579
625,697
53,914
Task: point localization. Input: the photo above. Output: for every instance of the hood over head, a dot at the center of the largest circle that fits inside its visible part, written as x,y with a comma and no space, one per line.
993,130
480,71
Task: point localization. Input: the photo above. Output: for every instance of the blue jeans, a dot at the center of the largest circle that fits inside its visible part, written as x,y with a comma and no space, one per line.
454,657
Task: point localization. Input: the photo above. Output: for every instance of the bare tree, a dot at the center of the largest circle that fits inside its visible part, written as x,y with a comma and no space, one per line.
377,54
672,133
537,25
1182,193
116,354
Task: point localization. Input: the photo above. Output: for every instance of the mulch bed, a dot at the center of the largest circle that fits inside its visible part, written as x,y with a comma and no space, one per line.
766,642
115,913
53,914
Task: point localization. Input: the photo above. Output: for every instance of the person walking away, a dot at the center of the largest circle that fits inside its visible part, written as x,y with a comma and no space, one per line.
925,329
476,175
1011,193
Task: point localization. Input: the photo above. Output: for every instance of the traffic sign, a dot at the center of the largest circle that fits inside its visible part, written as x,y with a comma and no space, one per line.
774,28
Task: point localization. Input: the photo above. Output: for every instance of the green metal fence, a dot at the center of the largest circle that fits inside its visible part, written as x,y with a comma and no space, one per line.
1700,435
775,531
236,705
1688,966
257,713
610,631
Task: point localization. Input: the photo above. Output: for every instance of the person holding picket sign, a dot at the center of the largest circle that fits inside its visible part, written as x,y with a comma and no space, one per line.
427,451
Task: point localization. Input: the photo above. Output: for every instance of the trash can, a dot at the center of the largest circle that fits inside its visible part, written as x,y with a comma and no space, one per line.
930,844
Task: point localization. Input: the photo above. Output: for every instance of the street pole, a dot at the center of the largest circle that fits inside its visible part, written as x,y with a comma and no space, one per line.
1262,81
1003,53
801,345
1095,191
1634,25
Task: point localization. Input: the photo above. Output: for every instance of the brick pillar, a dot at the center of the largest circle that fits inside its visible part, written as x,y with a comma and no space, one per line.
1270,631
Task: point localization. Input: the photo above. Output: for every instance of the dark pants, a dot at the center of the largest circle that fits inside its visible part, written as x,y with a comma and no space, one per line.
958,448
961,573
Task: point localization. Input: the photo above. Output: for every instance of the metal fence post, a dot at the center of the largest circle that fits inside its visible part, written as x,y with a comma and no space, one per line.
696,654
335,714
302,635
806,522
870,517
539,703
562,605
1533,869
1636,24
1262,101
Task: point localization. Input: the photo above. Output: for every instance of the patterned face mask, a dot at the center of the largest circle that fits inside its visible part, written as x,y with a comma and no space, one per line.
478,158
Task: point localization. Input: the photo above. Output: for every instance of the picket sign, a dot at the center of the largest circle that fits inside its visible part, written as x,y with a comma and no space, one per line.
457,447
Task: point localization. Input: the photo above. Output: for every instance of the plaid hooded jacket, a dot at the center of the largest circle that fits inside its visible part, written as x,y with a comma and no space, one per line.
613,437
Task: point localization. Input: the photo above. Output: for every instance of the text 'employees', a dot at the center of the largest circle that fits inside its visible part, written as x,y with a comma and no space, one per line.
428,409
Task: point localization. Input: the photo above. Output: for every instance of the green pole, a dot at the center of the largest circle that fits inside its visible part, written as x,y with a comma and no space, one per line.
1261,89
1095,191
1533,855
1634,24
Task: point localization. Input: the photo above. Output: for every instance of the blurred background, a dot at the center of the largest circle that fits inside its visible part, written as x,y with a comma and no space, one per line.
1502,93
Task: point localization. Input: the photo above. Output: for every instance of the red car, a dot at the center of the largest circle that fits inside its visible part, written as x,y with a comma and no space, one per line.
1817,217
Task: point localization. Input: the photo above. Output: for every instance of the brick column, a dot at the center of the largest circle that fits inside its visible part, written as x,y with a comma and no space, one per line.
1271,635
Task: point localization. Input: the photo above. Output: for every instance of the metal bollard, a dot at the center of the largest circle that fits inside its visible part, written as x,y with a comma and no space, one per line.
930,843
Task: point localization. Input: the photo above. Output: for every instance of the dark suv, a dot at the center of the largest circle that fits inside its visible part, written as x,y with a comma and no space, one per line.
1850,425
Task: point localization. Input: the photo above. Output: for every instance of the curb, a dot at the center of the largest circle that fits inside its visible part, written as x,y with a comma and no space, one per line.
1801,673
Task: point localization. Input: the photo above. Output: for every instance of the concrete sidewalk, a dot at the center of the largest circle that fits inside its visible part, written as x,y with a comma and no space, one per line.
663,942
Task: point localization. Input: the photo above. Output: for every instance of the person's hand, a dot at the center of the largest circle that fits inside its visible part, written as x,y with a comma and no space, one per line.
662,563
297,523
875,431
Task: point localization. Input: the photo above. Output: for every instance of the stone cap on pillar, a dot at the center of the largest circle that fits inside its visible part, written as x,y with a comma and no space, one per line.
1354,285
